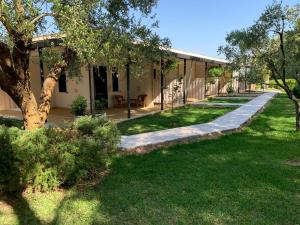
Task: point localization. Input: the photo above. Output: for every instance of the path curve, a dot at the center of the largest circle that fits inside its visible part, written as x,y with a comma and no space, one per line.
232,121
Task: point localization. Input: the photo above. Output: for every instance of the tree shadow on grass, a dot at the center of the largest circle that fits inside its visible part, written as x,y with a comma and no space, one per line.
22,209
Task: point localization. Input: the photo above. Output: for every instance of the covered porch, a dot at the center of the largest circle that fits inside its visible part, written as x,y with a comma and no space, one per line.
58,116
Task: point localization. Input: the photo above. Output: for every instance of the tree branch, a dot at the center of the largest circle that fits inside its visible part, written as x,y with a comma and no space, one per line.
41,16
19,8
4,20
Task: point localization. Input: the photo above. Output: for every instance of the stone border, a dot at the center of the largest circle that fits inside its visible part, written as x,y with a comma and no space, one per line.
235,97
230,122
217,104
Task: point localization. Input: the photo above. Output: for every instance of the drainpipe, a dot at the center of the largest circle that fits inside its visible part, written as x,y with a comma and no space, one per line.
90,86
128,91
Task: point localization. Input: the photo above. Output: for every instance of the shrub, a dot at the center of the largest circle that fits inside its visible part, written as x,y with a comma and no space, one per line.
78,106
100,104
291,82
296,91
230,89
50,157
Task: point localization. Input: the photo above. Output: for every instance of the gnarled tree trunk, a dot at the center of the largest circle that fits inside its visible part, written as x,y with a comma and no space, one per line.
30,113
15,81
49,84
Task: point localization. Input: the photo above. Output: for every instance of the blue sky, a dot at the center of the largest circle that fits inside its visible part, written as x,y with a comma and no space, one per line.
201,25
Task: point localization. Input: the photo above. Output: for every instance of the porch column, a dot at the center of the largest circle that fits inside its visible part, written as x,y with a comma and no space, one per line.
90,87
184,81
219,86
219,83
128,91
161,85
205,79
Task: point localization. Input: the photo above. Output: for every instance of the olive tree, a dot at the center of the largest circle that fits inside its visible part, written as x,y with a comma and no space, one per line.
272,45
109,31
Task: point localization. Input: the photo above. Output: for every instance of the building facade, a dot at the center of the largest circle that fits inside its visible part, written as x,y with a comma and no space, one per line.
100,82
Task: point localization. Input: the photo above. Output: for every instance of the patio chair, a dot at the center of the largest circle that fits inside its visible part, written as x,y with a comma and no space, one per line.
141,100
119,100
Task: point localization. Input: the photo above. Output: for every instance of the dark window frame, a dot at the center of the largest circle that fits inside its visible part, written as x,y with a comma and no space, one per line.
154,74
115,80
42,74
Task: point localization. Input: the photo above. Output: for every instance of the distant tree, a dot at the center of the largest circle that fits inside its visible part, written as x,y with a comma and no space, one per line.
176,88
272,44
91,31
216,72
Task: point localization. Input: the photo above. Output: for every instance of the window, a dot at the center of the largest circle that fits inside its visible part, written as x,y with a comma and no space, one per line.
154,74
62,82
115,80
41,67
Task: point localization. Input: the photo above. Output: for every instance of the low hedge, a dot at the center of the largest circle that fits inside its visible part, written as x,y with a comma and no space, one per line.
11,122
50,157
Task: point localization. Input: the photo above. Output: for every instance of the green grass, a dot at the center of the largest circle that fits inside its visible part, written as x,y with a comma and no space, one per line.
241,179
232,100
183,116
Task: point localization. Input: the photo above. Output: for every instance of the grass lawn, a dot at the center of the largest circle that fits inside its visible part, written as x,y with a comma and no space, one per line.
232,100
183,116
240,178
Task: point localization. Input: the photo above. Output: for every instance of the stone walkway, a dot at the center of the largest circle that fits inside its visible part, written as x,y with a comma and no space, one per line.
231,121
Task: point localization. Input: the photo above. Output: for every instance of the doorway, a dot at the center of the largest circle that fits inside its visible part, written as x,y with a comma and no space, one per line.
100,84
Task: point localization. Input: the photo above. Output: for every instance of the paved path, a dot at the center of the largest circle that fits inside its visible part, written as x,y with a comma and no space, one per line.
231,121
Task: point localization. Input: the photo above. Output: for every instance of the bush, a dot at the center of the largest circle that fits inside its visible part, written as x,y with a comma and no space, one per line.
291,83
296,91
230,89
50,157
100,104
78,106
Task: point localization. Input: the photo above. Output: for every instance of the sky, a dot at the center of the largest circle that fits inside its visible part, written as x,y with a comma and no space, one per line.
201,26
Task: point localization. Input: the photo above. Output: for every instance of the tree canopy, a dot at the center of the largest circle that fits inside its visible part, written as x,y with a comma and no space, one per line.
270,46
115,32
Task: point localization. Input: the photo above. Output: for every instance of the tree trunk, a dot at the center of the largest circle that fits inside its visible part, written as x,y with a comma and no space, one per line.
30,111
46,95
50,83
15,81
